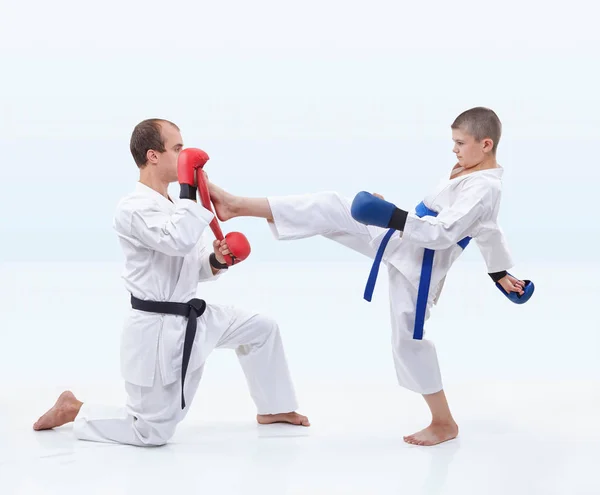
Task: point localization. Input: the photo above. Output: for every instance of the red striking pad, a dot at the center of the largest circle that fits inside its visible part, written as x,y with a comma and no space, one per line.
237,242
188,161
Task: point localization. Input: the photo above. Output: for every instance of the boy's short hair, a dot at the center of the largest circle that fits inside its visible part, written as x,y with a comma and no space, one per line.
147,136
481,123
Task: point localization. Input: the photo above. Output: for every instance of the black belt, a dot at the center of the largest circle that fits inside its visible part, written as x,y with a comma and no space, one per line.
192,310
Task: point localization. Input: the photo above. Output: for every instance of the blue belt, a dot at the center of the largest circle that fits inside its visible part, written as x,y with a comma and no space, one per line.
426,268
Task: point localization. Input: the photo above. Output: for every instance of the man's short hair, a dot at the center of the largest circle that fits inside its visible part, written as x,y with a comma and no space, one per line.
147,136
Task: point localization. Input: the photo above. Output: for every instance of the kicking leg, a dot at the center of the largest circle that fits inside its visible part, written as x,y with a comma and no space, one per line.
228,206
258,345
300,216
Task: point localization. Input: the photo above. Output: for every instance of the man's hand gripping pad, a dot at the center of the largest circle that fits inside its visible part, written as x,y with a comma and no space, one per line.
237,242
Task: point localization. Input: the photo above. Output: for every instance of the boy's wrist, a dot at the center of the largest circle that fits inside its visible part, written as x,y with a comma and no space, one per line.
497,276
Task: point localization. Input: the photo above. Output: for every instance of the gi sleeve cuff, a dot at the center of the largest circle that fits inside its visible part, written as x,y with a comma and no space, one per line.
398,220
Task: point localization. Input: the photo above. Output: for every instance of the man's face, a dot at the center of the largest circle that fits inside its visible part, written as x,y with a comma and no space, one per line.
167,160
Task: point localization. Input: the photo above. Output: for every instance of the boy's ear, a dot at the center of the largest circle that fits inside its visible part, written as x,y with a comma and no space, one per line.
488,144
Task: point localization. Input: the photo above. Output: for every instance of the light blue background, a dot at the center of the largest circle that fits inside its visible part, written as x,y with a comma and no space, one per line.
295,98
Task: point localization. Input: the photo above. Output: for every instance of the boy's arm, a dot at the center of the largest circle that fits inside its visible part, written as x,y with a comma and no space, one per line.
496,255
174,234
494,249
467,216
452,224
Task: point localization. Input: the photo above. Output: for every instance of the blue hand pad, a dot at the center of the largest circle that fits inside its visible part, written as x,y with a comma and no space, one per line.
515,297
371,210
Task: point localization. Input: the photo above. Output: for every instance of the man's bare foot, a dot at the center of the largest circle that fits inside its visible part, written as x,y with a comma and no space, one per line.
292,418
432,435
64,411
224,202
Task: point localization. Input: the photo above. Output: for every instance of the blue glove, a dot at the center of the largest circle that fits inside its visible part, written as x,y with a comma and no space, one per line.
516,297
371,210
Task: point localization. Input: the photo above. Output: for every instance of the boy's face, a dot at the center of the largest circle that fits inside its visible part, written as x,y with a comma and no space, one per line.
470,152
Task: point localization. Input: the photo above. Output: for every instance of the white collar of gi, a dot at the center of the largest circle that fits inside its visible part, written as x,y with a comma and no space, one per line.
148,191
497,172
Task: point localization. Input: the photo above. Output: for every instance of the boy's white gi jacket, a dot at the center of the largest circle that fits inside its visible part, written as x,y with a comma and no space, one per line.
466,206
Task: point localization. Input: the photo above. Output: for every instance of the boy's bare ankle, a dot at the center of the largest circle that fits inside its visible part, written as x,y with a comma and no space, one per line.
447,421
236,204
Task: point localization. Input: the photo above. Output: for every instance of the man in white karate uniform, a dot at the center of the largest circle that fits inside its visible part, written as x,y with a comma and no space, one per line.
462,207
162,359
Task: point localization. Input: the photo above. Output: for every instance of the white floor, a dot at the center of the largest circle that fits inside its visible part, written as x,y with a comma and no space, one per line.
524,385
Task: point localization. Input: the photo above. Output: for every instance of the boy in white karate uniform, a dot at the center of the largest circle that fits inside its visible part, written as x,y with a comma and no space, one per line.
169,332
466,206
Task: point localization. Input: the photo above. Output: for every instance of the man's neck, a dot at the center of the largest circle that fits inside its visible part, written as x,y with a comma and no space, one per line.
154,183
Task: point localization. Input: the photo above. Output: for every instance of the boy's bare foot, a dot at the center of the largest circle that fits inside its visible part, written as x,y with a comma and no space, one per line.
64,411
432,435
224,202
292,418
